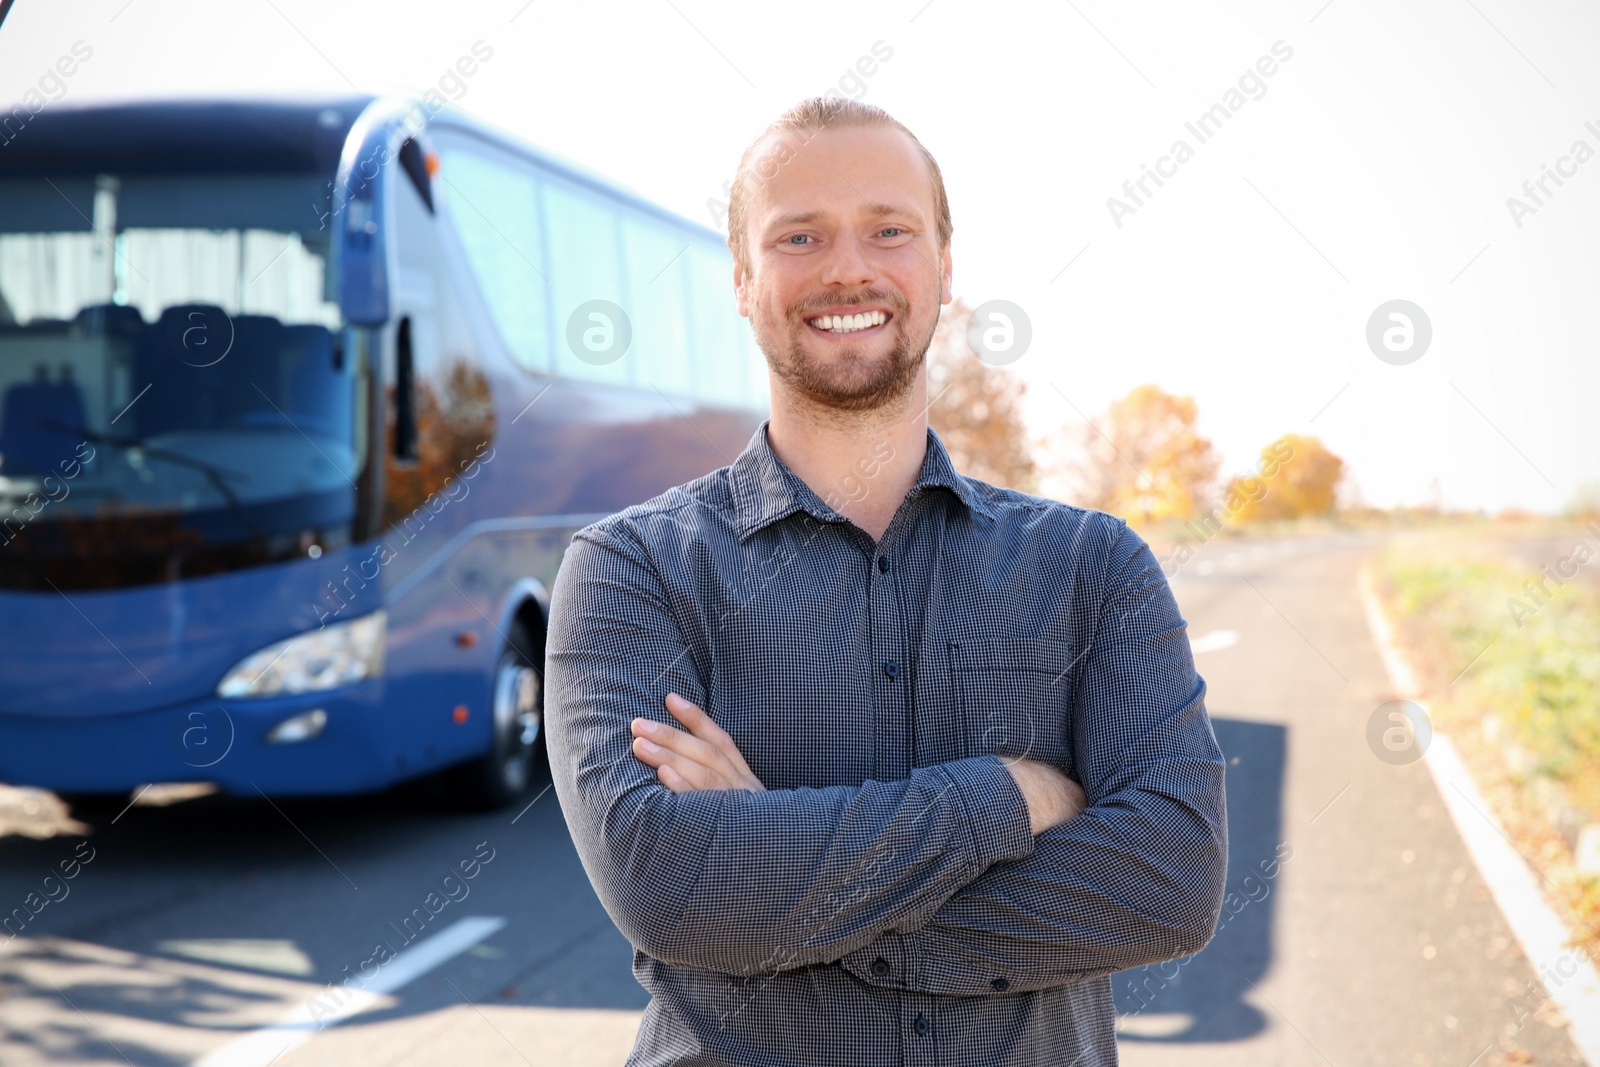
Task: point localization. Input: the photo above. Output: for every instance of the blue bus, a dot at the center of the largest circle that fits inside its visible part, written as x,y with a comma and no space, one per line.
300,404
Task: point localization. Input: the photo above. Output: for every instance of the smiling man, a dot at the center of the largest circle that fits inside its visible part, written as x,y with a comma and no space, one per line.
874,763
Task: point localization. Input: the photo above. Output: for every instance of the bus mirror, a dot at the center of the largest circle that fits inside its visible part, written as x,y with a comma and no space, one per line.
364,268
416,167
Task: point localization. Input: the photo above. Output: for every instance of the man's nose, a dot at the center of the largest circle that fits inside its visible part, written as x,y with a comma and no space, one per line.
849,263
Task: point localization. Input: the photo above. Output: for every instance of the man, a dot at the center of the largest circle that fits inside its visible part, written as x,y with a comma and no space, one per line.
818,720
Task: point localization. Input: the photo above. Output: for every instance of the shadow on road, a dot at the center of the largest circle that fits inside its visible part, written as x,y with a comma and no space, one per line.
107,973
244,868
1201,997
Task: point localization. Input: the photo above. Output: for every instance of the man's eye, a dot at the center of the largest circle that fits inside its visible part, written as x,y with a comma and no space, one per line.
892,231
798,237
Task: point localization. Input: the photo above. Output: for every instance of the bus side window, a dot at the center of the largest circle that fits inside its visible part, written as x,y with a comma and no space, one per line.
585,268
757,393
441,403
659,307
493,205
722,369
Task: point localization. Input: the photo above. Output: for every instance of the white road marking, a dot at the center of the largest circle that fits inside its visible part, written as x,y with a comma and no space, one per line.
1214,641
1566,973
1154,1026
331,1007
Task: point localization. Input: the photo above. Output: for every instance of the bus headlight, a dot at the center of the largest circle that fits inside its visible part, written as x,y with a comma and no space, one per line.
341,654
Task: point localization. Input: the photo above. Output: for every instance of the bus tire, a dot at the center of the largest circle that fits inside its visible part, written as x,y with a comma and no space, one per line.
516,760
95,808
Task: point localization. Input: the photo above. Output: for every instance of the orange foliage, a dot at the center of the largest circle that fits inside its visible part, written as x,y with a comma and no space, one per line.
1305,484
975,408
1143,459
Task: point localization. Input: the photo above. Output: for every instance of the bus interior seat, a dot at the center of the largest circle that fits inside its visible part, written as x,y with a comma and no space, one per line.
118,321
208,366
319,396
36,420
252,387
161,360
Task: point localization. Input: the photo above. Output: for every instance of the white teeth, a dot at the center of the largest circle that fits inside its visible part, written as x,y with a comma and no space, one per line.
849,323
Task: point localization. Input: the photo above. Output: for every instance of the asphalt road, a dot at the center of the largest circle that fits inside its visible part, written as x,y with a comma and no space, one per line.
1359,931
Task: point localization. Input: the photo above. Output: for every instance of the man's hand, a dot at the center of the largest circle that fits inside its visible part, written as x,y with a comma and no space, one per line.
1052,797
703,758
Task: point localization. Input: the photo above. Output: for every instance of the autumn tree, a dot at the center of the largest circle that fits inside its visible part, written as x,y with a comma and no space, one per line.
976,408
1297,477
1143,459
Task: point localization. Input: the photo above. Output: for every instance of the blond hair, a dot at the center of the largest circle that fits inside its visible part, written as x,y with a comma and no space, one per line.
812,117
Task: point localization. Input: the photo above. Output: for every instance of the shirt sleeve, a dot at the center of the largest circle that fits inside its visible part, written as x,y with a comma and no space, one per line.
1135,878
729,880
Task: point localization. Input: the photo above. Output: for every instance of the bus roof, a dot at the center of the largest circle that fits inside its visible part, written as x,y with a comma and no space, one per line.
453,119
185,136
248,134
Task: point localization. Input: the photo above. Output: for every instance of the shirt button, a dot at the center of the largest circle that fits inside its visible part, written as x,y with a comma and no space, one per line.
920,1025
892,669
880,967
883,564
999,985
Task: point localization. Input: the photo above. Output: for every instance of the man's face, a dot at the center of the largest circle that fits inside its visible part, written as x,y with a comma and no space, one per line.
839,225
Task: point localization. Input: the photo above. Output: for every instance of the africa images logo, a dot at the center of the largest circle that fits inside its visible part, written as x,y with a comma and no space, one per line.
199,340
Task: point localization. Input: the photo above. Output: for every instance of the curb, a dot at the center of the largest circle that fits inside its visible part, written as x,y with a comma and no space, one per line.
1568,975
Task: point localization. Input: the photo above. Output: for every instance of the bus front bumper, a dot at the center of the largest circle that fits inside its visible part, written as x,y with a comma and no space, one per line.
240,745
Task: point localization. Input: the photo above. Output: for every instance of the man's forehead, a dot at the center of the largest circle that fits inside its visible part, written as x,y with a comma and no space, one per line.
798,174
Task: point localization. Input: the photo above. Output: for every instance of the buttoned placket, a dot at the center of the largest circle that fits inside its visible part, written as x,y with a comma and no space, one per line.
895,715
894,668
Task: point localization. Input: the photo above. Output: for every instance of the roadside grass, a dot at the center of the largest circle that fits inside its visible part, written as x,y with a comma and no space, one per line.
1512,674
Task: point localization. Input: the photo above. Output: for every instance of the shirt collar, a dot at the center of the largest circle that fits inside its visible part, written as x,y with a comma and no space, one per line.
764,490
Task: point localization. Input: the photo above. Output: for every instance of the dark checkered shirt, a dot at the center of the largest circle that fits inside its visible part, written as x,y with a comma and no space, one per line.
884,902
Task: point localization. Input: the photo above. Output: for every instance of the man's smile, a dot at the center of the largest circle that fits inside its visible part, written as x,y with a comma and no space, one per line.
858,325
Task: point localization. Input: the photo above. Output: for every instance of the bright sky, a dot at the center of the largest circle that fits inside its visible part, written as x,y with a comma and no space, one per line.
1374,164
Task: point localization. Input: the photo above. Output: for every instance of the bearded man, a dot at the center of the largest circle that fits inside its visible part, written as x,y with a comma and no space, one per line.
874,763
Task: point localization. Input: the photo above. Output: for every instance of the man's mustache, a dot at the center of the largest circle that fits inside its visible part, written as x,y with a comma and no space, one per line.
893,301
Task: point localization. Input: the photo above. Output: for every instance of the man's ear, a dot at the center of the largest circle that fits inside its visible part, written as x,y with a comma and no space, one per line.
740,289
946,274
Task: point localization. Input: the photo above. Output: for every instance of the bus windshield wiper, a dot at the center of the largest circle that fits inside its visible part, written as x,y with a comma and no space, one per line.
215,475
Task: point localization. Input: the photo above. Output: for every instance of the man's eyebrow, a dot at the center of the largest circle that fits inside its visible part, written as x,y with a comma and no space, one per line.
878,210
875,211
795,218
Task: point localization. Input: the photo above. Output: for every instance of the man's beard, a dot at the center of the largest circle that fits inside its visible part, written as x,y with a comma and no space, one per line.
848,381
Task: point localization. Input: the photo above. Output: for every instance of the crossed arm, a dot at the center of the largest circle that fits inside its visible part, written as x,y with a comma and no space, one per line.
703,756
980,866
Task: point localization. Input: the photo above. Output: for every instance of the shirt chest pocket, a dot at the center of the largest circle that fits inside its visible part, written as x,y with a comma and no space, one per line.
1015,698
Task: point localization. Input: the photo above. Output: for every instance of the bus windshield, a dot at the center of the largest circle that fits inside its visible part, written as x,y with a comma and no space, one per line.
177,394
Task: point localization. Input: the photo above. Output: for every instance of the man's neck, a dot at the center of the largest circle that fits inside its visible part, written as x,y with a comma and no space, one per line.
861,464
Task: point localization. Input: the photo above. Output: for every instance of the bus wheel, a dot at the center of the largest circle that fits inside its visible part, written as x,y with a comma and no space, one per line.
95,808
515,760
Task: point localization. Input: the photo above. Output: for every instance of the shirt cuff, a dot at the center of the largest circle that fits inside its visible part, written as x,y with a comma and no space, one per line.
997,812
